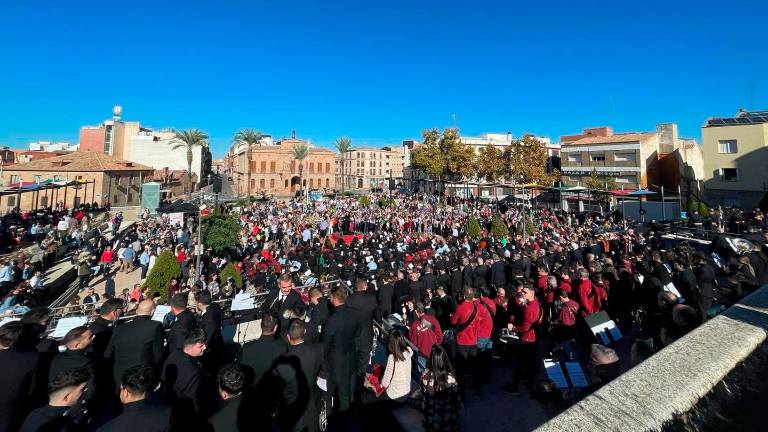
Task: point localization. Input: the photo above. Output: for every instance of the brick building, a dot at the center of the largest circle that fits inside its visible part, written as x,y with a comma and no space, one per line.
109,180
275,171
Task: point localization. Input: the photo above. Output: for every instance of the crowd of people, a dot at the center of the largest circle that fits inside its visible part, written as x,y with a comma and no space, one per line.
421,314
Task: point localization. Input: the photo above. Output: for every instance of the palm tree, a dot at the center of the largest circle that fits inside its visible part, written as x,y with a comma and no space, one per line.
249,138
343,145
189,139
300,151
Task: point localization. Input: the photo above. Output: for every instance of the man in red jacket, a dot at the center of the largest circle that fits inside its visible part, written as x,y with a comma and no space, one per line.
527,357
465,320
425,332
590,297
486,309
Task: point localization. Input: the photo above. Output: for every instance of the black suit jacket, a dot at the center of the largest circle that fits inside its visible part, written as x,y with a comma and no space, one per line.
430,282
137,342
229,417
297,371
339,336
272,304
367,309
386,297
402,289
17,382
259,355
140,417
49,419
102,332
182,379
210,322
68,360
184,323
318,314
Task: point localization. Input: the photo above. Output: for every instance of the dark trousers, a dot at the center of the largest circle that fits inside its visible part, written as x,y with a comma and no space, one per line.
465,356
144,269
526,364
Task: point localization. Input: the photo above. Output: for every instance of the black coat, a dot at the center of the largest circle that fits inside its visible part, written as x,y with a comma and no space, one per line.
298,371
430,282
272,304
499,274
68,360
259,355
140,416
481,274
182,379
457,282
137,342
49,419
229,417
386,298
102,332
402,289
318,314
184,323
210,323
17,382
367,310
339,335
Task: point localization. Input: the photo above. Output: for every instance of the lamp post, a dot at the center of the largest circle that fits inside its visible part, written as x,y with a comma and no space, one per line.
199,241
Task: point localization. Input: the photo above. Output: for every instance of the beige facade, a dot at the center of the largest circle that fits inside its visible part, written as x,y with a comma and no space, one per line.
736,157
632,160
368,167
275,171
108,179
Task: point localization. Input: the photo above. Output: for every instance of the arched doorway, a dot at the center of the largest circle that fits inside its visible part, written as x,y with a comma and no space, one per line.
295,184
360,183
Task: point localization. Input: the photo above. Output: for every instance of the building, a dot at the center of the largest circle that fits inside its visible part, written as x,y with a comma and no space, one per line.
48,146
27,156
275,171
371,168
155,149
735,159
109,179
111,137
632,160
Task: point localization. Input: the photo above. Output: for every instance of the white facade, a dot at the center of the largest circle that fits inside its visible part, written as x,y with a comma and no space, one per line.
49,146
155,149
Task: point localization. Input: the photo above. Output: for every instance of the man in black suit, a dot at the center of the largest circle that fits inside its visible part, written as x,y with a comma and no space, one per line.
498,272
64,392
77,342
139,342
210,323
282,299
339,335
318,311
417,291
183,382
259,355
138,415
402,289
367,310
103,325
233,416
429,279
17,378
385,296
183,323
298,371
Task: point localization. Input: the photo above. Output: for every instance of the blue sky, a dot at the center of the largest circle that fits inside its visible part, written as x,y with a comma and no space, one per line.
377,71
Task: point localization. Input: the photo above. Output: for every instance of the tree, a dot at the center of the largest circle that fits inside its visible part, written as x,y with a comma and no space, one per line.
343,145
525,162
166,269
593,181
189,139
365,201
220,232
473,228
300,151
499,228
443,155
249,138
230,271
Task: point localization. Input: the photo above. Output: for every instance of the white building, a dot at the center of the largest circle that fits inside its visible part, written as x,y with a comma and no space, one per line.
154,148
49,146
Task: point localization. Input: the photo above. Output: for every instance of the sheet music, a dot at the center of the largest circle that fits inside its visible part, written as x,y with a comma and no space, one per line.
7,320
555,373
160,312
242,301
576,373
66,324
604,329
322,383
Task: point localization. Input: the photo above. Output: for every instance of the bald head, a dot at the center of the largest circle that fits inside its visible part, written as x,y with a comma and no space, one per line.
146,307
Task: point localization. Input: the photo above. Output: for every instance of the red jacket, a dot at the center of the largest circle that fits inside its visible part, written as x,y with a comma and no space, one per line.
107,256
590,298
468,336
484,319
425,337
530,317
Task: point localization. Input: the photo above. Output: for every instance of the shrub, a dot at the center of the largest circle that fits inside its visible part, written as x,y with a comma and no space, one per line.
365,201
473,228
499,228
166,269
230,271
220,232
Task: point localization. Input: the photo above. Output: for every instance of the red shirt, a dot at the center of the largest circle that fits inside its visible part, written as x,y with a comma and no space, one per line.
424,337
531,315
484,320
468,336
107,256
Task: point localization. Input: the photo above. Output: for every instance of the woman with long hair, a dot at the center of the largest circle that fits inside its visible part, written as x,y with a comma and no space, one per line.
396,379
441,402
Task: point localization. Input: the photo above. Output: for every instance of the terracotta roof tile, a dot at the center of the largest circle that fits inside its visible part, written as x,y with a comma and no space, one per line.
616,138
80,161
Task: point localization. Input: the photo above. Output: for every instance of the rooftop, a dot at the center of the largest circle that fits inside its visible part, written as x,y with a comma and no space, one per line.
615,138
80,161
741,118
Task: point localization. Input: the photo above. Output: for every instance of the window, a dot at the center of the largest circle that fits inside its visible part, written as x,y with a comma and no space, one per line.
15,179
272,183
37,179
311,183
597,158
726,146
263,166
311,167
11,201
272,166
624,157
731,202
327,182
286,183
327,167
574,157
262,184
729,174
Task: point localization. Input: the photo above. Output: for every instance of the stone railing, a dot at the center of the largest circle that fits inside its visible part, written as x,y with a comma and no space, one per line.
679,379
